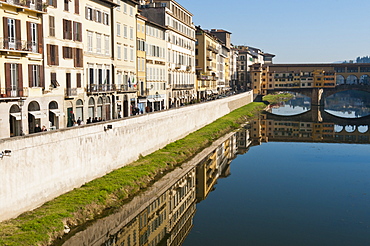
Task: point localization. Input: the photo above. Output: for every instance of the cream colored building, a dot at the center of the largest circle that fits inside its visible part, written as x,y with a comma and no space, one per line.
100,100
23,103
64,73
156,66
180,37
125,53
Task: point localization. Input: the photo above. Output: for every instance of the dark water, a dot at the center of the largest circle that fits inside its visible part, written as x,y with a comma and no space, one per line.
290,194
298,180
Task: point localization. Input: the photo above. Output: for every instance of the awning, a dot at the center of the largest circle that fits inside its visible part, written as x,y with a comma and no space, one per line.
215,92
151,100
209,92
37,114
142,100
17,116
55,111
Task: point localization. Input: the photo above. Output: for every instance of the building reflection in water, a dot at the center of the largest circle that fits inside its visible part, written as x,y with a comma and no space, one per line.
165,217
168,218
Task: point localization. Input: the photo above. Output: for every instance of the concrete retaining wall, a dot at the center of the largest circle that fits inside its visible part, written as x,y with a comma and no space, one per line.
45,165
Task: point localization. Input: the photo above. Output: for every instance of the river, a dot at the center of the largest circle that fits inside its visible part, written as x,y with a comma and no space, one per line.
280,180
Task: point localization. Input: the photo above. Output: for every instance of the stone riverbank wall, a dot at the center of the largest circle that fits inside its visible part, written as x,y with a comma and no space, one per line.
45,165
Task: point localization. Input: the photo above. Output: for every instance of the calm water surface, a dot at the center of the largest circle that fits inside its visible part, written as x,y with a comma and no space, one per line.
290,194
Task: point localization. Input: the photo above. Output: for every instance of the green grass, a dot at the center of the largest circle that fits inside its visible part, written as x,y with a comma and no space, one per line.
276,98
43,225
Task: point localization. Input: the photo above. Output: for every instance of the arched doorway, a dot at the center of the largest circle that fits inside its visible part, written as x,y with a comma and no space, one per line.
91,110
70,115
15,121
54,114
34,116
79,111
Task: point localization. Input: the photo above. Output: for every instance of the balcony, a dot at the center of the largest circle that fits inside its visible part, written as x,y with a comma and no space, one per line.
125,88
182,87
71,92
13,92
178,66
100,88
14,45
209,58
188,68
209,68
37,6
205,77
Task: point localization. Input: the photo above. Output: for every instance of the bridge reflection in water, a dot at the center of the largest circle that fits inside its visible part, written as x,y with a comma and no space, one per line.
163,215
315,125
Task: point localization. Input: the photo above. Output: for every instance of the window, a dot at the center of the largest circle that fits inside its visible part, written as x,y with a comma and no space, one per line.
125,31
89,41
106,19
118,8
53,79
77,31
125,53
89,13
78,57
78,80
131,54
34,75
67,52
118,29
131,11
77,6
131,33
98,43
52,54
98,17
67,29
119,51
125,8
106,44
51,26
66,5
53,3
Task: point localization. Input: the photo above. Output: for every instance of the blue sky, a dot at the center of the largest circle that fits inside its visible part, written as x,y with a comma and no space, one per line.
296,31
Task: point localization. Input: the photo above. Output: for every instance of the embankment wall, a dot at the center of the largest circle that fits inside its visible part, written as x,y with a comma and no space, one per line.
45,165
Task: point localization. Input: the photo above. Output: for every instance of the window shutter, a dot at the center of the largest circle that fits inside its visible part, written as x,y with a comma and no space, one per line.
7,79
40,38
56,55
20,79
74,54
86,12
77,7
28,25
18,34
48,47
6,34
30,78
94,15
42,77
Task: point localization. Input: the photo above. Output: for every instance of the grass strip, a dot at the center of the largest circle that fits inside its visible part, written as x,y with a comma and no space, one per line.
46,223
276,98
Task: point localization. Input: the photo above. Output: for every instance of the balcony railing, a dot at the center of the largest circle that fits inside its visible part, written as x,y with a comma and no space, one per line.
18,45
71,92
205,77
187,86
126,88
13,91
26,4
97,88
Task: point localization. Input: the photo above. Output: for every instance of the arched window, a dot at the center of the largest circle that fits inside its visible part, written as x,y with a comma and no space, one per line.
352,80
79,110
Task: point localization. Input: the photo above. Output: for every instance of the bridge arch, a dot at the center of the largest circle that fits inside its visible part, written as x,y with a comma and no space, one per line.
363,129
340,79
350,128
352,80
365,79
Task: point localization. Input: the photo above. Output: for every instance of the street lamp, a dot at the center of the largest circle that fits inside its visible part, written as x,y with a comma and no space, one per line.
20,104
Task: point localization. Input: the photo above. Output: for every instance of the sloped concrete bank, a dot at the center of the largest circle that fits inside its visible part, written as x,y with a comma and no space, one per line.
46,165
